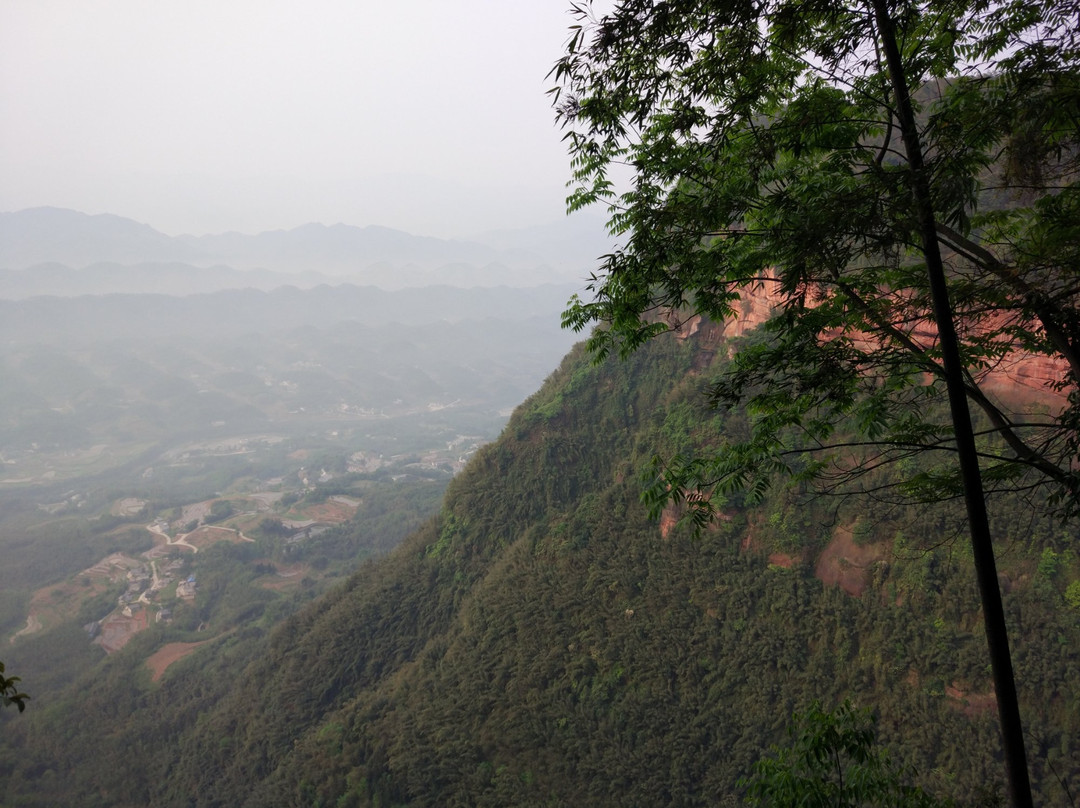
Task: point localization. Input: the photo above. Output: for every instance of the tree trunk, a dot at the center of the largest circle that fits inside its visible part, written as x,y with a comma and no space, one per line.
974,497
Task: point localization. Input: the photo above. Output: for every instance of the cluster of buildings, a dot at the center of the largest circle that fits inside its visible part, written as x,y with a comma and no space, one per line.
133,614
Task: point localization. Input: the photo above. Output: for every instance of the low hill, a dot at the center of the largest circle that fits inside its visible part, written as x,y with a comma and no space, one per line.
238,311
65,252
543,642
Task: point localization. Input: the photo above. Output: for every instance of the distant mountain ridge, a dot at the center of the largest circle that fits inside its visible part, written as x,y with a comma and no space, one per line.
233,311
381,256
162,278
56,235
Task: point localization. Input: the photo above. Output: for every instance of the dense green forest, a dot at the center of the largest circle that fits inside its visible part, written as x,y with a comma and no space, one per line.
542,641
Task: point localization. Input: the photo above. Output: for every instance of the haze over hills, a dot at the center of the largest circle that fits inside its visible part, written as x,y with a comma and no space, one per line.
59,251
135,360
236,311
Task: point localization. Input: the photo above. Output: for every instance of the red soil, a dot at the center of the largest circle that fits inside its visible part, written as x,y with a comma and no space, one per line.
845,564
167,655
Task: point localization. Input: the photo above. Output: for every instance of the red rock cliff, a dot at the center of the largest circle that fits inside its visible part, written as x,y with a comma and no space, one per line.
1020,381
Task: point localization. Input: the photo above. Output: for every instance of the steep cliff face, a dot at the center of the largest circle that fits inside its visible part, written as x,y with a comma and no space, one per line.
544,643
1020,380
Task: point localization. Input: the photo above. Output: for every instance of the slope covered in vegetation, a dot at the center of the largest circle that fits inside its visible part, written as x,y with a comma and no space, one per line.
544,642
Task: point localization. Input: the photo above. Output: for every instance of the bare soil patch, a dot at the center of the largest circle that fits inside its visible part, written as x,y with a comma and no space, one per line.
195,512
673,514
845,564
163,549
972,704
129,506
117,629
33,623
161,659
208,535
668,519
246,522
114,567
53,604
265,499
286,576
331,511
781,560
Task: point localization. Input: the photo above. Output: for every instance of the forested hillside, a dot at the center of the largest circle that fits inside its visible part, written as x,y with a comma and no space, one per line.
543,642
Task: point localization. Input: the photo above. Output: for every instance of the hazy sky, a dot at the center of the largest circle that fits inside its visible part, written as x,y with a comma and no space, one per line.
210,115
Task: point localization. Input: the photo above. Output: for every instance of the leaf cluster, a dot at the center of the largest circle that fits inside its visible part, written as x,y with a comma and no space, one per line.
831,761
9,691
766,164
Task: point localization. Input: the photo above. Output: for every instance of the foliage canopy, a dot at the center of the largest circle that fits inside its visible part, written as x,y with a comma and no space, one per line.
9,691
851,163
831,761
768,159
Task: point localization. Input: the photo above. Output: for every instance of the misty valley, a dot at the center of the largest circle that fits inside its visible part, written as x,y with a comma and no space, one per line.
188,464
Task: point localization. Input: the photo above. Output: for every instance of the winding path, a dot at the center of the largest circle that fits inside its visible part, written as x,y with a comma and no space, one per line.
169,539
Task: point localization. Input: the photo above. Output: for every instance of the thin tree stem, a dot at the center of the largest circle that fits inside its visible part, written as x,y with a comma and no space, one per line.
974,497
